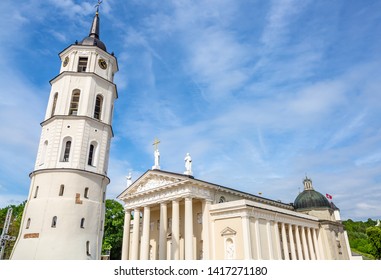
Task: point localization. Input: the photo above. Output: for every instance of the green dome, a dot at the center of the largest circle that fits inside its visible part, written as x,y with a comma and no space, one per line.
311,199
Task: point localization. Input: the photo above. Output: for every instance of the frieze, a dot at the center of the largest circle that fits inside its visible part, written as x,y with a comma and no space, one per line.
151,198
153,184
262,215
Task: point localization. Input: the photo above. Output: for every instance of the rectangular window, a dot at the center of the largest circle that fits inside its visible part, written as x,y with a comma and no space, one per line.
88,248
62,188
82,64
36,192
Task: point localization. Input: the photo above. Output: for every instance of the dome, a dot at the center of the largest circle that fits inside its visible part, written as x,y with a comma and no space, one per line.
91,41
310,199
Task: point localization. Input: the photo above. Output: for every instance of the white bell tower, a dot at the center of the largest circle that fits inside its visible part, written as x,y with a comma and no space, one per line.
64,214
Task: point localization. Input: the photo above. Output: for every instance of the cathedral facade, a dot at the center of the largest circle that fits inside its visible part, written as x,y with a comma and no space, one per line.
171,216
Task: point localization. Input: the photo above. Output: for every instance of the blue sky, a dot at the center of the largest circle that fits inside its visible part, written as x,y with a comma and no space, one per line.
260,93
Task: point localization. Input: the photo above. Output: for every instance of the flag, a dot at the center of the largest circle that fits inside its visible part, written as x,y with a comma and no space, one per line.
328,196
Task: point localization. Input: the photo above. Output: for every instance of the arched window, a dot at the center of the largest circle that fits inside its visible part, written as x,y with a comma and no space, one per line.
86,194
74,105
91,155
222,199
54,222
36,192
67,151
98,107
62,188
28,223
83,223
54,104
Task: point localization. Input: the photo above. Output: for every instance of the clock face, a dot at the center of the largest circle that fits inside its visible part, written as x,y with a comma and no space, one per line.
66,61
102,63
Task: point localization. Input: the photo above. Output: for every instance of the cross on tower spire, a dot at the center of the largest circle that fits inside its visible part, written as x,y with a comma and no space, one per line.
97,5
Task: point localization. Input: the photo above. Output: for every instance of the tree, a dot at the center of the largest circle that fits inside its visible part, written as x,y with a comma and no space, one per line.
113,229
14,226
374,235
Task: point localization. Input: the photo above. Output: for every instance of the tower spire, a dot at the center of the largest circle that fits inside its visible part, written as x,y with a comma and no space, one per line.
94,30
93,38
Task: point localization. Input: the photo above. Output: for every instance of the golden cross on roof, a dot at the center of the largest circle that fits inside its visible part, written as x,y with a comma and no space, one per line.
156,142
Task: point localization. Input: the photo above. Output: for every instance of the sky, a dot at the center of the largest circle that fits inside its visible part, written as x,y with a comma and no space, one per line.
260,93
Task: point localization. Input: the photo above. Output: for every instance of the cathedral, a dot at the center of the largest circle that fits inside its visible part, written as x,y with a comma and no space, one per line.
168,216
172,216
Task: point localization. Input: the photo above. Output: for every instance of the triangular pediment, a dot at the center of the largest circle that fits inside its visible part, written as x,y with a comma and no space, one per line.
228,231
152,180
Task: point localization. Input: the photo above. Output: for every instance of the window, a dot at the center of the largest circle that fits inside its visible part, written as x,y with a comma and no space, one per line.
43,153
36,192
62,188
88,248
86,194
104,197
98,107
91,155
74,105
54,222
28,223
83,223
54,104
222,199
82,64
67,151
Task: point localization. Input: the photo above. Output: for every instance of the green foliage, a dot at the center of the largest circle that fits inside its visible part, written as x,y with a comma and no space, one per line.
374,235
113,229
14,225
359,239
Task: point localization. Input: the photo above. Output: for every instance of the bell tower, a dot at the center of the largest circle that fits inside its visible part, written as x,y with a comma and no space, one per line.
64,213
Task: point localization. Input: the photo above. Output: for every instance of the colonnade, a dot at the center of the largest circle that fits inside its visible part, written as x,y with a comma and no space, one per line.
139,241
299,242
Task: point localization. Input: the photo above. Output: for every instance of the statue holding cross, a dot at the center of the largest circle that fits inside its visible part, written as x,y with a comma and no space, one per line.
156,154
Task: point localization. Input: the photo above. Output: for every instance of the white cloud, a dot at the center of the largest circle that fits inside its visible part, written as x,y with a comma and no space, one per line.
278,20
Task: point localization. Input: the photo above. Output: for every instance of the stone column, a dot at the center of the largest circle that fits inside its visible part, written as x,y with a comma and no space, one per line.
163,232
135,235
269,240
246,237
304,241
310,246
205,229
278,250
292,244
314,240
126,234
144,247
257,240
188,225
175,253
320,239
284,241
298,244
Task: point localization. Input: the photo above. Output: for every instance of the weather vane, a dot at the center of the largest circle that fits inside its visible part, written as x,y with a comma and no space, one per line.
97,5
